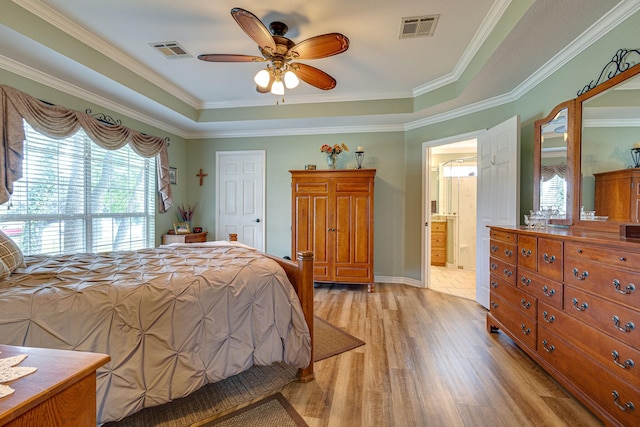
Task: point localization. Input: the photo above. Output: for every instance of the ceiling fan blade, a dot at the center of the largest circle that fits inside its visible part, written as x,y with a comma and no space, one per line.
223,57
314,76
320,46
254,28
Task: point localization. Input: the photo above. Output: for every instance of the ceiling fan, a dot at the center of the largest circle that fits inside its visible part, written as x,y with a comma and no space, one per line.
280,52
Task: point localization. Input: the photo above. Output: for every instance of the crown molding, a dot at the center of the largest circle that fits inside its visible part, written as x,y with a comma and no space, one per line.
63,86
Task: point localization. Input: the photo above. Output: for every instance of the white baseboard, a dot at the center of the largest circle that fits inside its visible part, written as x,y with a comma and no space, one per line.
399,280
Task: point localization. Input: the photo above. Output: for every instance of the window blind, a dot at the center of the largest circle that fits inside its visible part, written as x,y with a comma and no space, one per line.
78,197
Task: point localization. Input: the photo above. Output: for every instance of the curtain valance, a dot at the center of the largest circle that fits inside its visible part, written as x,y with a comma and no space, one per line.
548,172
55,121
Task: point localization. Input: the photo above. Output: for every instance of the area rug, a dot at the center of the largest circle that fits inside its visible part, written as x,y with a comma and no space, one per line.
218,399
329,340
273,411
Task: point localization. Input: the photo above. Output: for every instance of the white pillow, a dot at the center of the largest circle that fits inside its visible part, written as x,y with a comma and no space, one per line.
10,253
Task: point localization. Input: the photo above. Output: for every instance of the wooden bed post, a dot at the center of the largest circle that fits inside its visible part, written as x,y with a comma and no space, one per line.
305,294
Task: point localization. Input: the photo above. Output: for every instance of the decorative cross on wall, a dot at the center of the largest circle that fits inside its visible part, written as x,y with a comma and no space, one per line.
201,176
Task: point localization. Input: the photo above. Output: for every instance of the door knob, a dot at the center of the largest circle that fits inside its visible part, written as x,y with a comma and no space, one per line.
256,220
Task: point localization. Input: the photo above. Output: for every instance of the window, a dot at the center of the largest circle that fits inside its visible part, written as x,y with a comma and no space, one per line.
75,196
553,193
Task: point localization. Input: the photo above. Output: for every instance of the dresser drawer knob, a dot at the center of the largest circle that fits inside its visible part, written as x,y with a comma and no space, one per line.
579,251
507,272
549,259
494,304
627,328
627,290
508,252
493,266
525,281
526,252
547,318
581,307
494,285
623,259
628,364
548,348
547,292
580,276
525,330
525,304
494,248
629,406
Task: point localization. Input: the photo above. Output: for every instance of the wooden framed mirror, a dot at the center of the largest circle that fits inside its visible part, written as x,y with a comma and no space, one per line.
607,129
553,162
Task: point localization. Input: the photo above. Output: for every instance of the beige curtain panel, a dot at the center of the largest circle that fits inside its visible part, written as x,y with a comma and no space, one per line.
548,172
55,121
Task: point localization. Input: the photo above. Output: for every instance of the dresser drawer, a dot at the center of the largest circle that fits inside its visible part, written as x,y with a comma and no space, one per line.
516,324
613,283
503,250
528,252
540,287
522,301
618,321
438,257
606,390
618,258
619,358
502,270
438,240
504,236
550,256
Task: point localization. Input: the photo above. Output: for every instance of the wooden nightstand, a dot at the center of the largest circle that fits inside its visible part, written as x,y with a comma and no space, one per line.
62,392
184,238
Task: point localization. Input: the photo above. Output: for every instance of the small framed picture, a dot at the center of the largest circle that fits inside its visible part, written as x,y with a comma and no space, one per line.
173,175
181,228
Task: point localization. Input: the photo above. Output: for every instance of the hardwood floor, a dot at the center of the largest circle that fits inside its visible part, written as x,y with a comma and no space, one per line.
428,361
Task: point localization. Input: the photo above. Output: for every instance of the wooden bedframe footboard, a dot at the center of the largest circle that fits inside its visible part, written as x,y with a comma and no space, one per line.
300,275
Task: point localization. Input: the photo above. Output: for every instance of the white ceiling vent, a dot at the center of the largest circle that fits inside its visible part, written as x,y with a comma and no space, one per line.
418,26
170,50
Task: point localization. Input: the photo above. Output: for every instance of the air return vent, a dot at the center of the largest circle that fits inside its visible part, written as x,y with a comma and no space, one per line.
418,26
170,50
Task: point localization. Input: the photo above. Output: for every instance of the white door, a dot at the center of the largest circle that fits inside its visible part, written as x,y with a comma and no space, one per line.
498,192
240,196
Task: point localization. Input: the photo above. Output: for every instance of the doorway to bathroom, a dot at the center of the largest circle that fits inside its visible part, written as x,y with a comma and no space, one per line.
453,214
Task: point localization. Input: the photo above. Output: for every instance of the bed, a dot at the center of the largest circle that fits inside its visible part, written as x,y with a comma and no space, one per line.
172,318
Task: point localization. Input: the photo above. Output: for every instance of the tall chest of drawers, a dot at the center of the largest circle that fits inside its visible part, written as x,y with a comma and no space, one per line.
571,301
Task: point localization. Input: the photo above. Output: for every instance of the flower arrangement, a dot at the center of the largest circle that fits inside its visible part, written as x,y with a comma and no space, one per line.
186,214
335,150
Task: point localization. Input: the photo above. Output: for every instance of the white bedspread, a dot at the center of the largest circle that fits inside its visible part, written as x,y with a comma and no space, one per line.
172,318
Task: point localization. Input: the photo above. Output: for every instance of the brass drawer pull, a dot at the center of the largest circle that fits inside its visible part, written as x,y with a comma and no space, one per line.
548,348
525,330
627,290
582,276
547,318
629,406
494,304
627,328
494,285
493,266
508,252
582,307
525,281
494,248
507,272
526,252
628,364
547,292
549,259
525,304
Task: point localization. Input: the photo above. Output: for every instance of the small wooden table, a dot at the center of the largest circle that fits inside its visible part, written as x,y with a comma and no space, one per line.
62,392
184,238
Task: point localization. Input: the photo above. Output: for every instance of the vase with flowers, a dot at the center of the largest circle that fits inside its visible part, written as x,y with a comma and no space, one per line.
332,153
185,214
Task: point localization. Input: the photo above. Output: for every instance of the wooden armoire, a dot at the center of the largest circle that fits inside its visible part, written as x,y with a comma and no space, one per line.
332,215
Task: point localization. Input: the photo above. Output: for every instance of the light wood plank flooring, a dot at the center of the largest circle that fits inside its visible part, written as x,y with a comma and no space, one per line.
428,361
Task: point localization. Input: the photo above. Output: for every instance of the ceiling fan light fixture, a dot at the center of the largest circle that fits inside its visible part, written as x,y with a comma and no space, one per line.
291,80
262,78
277,88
